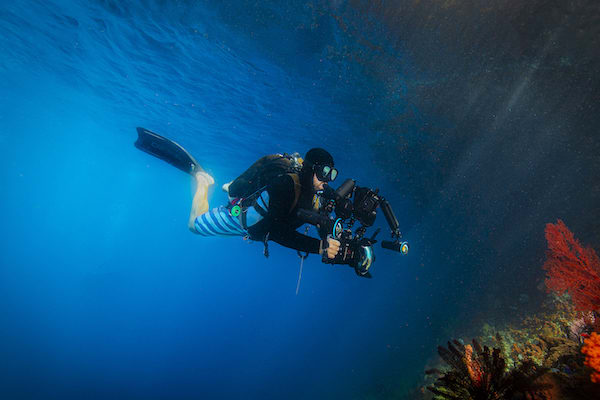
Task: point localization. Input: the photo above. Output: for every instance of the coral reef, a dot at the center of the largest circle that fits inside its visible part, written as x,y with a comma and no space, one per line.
572,268
591,349
549,341
480,374
553,354
541,338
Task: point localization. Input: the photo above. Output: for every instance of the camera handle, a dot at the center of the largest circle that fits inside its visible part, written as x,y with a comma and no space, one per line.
324,258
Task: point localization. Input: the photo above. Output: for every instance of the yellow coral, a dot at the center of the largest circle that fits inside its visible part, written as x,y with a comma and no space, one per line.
591,349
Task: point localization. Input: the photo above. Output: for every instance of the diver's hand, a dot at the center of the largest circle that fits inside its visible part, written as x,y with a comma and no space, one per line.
333,247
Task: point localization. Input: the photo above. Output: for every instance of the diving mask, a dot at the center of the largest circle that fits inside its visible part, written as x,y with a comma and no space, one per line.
325,173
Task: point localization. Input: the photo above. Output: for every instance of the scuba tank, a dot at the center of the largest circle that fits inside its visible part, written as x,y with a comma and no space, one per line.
249,199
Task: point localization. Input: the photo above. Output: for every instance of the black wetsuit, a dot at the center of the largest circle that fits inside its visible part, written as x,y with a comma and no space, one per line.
280,222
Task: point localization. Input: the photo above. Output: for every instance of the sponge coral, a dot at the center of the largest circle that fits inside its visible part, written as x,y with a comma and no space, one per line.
591,349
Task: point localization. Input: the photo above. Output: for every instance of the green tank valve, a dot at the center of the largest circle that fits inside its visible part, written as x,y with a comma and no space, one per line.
236,210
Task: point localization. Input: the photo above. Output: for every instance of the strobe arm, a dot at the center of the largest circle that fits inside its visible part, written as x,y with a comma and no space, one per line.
390,217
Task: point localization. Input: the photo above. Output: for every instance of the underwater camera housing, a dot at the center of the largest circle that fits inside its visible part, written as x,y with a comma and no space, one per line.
355,249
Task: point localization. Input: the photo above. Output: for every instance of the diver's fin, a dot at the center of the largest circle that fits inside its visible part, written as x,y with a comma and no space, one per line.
166,150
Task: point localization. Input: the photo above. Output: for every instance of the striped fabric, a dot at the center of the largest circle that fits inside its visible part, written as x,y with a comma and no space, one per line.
218,222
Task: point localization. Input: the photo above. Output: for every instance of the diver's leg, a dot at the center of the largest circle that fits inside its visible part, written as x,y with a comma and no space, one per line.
200,202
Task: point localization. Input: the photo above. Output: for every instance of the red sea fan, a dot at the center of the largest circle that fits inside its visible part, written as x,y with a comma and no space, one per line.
572,268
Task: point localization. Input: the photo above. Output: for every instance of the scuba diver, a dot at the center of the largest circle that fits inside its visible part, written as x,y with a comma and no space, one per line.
263,201
278,194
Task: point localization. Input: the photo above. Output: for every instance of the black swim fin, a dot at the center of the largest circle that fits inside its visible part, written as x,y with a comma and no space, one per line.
167,150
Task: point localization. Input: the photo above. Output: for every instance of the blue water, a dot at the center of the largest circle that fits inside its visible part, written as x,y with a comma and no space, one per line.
104,293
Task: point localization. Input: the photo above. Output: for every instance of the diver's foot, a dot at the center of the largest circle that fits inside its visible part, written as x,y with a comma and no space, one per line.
202,178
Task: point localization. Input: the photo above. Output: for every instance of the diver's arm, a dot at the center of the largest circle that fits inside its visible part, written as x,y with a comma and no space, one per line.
279,210
295,240
276,222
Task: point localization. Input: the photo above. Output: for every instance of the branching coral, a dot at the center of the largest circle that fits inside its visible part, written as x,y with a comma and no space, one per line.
571,267
591,349
478,373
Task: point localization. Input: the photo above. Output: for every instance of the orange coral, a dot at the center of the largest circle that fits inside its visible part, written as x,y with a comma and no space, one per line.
473,367
591,349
